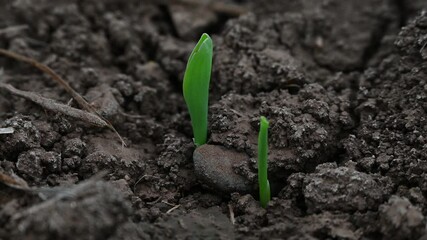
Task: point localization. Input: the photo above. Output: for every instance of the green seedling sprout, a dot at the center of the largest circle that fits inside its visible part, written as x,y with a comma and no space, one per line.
196,87
264,185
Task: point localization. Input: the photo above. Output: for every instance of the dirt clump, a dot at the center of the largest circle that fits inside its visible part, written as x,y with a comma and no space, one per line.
100,210
331,188
400,219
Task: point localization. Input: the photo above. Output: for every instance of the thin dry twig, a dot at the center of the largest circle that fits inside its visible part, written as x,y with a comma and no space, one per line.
130,116
167,203
8,130
12,30
54,106
172,209
13,181
230,209
80,100
422,48
155,201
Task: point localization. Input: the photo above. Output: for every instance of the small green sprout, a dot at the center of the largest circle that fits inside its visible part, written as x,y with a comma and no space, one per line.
196,87
264,185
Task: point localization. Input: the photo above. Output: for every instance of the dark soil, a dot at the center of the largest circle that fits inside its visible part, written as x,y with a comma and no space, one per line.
343,84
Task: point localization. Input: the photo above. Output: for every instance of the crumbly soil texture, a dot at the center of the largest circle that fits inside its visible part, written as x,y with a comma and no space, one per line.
343,84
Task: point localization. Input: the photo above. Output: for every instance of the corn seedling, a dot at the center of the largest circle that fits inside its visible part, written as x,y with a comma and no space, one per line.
196,87
264,185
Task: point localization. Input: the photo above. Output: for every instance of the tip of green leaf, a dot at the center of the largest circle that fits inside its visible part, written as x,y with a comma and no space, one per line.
264,121
204,40
204,37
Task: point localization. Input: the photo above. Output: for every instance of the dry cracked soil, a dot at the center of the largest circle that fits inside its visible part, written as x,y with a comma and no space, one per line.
343,84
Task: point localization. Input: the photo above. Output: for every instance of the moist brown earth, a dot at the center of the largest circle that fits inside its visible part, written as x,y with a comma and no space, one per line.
343,84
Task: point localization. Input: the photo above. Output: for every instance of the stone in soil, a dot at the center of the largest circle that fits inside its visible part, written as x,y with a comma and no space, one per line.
214,166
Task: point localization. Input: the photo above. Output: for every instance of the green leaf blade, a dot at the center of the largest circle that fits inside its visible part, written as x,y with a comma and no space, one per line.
264,185
196,87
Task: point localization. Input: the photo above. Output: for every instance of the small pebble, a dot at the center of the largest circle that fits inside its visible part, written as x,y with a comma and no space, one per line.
214,166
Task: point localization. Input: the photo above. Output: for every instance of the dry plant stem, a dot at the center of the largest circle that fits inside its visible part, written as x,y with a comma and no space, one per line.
172,209
422,48
12,30
230,209
13,181
54,106
7,130
130,116
155,201
80,100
